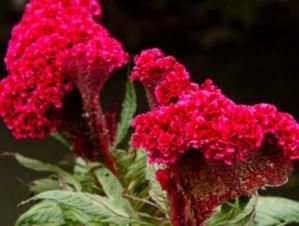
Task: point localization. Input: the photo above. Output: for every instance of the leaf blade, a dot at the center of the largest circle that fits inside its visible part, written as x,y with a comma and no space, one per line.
128,110
95,206
276,211
40,166
114,191
44,213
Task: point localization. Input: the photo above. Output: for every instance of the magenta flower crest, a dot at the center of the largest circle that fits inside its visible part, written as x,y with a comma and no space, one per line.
56,45
163,77
209,144
207,148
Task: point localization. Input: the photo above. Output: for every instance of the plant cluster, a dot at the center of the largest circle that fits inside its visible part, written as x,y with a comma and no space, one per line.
196,158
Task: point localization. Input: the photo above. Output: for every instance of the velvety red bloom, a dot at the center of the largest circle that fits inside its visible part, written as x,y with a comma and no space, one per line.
195,186
54,38
161,75
209,122
38,6
214,150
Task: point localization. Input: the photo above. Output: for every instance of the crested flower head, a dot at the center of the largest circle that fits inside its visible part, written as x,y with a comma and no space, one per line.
207,121
213,149
162,75
53,39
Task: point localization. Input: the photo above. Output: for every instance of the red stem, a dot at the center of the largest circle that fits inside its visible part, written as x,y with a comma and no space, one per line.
99,131
152,102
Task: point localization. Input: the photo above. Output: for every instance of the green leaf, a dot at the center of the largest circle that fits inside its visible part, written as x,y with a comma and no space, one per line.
275,211
127,113
114,190
81,166
239,212
44,213
133,163
84,167
260,211
45,167
92,205
72,215
111,186
44,184
155,191
61,139
133,172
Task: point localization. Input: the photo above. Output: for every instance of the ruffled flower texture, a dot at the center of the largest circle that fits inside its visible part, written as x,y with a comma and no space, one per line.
56,45
213,149
163,77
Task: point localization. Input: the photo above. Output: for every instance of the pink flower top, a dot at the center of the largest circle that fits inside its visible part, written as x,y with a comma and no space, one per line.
162,75
51,36
205,120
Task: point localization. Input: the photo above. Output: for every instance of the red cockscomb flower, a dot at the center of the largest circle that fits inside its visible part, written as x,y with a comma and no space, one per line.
214,149
209,122
163,77
56,44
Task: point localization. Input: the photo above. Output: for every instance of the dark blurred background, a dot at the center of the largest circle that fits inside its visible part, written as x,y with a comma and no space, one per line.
248,47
